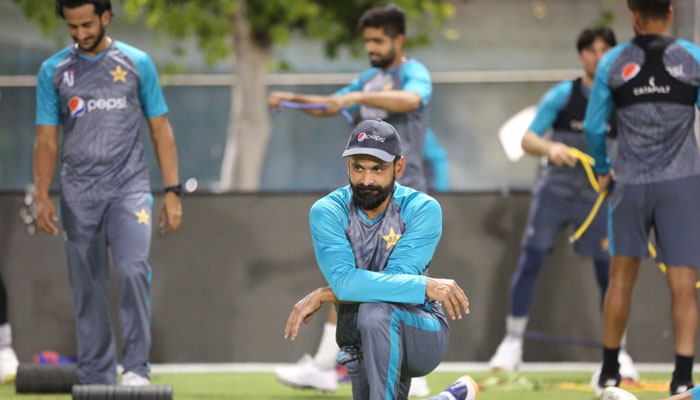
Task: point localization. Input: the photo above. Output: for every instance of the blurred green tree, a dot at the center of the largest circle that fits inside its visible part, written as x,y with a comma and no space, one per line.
248,30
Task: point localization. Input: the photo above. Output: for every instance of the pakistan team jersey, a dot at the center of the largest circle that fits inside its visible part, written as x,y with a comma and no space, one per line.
653,83
381,260
100,103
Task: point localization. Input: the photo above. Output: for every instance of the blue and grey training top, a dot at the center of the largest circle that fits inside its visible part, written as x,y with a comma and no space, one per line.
380,260
100,102
412,76
653,83
562,108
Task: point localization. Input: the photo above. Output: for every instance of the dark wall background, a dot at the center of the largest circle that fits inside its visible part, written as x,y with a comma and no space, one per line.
223,285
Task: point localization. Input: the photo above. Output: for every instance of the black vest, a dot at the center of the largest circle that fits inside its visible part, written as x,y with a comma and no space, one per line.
571,117
653,83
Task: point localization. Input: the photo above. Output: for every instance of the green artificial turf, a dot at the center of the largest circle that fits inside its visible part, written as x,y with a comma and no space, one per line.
263,386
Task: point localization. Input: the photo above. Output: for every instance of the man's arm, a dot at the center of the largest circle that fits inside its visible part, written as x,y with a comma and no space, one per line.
598,111
416,89
155,110
45,157
48,115
534,142
274,98
166,153
445,291
398,101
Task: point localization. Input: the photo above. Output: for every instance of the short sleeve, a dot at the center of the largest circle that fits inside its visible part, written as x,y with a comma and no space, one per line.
550,106
48,109
416,78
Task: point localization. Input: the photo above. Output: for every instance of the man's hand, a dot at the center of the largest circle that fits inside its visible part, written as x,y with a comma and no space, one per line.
171,215
559,155
302,312
449,294
274,98
337,103
604,181
45,213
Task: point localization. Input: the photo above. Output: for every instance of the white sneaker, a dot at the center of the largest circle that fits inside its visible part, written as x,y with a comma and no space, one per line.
627,368
419,387
615,393
133,379
306,374
508,356
8,364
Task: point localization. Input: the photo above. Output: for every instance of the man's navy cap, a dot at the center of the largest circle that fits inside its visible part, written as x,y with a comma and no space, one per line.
374,137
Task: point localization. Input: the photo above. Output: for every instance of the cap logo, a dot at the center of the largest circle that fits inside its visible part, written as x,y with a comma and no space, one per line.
363,136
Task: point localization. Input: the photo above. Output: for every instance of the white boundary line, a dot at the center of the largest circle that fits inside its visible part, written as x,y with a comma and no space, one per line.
444,367
513,76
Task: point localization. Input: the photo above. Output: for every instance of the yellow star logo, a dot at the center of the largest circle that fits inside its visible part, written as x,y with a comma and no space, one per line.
143,216
118,74
605,244
392,238
387,87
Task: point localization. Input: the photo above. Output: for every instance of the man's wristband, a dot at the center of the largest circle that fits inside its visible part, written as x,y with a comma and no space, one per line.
177,189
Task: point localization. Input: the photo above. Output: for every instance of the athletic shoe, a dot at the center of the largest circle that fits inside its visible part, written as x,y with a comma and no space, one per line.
8,364
508,356
419,387
627,368
305,374
464,388
680,387
599,382
133,379
615,393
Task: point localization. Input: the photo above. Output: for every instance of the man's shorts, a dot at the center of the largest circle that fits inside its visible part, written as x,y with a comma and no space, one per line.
550,213
672,208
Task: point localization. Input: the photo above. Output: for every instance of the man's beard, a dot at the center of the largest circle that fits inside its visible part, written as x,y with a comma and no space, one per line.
370,197
384,62
98,40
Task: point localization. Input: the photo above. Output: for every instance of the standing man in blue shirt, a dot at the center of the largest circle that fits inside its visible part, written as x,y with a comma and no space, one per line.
652,81
396,89
374,240
562,197
99,90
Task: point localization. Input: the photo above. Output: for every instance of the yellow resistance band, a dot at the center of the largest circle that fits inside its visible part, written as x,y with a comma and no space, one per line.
594,211
587,161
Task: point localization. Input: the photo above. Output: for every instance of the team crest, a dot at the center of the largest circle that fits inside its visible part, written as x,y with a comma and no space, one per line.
118,74
630,71
392,238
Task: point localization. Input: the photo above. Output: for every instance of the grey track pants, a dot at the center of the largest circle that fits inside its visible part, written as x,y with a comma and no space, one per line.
122,225
399,342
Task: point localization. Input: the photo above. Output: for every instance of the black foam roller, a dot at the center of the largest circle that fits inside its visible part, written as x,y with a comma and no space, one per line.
32,378
108,392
